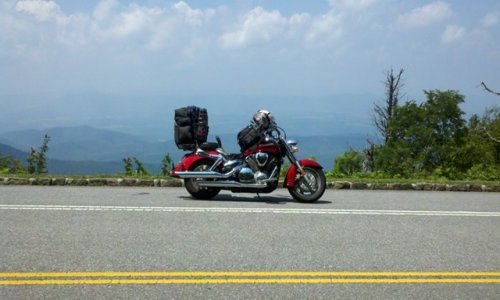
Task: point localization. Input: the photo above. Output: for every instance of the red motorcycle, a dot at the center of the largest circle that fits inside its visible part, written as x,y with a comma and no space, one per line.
207,168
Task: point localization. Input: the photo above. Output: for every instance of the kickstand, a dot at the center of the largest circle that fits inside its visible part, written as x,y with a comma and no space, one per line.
260,198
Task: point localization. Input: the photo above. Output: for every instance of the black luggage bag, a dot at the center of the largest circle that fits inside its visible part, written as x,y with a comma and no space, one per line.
191,127
249,137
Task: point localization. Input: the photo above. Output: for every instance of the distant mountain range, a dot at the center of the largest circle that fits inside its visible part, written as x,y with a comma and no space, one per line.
57,166
87,143
88,150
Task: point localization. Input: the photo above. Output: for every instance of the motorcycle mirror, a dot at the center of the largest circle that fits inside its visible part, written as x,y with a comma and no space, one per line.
217,138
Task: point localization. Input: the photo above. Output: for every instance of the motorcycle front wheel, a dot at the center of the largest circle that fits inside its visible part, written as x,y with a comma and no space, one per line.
203,193
310,186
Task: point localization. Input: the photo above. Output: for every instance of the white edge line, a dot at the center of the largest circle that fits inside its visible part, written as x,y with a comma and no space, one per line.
250,210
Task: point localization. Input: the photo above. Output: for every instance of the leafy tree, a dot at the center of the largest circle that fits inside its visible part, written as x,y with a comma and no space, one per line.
32,161
139,167
127,162
140,170
399,155
37,162
166,165
10,165
42,161
425,137
481,152
444,119
490,123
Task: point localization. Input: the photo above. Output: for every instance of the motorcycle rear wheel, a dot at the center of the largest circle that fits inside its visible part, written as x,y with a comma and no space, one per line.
310,186
202,193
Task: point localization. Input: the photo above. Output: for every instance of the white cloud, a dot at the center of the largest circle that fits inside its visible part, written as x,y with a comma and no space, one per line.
262,26
119,45
425,15
178,25
258,25
194,17
42,10
150,27
491,19
326,27
452,33
134,19
299,19
104,9
352,4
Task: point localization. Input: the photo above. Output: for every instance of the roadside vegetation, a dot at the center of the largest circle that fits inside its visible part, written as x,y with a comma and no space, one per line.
428,140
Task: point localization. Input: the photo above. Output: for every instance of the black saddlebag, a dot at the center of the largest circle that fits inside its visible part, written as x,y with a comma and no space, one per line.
249,137
191,127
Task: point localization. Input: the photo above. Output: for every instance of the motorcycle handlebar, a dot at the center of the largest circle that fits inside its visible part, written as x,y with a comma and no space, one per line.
279,131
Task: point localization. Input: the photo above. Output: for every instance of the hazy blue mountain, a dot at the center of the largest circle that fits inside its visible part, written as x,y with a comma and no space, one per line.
62,167
85,143
151,115
88,150
6,150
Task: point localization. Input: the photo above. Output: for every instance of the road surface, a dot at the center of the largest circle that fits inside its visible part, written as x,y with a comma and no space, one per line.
102,242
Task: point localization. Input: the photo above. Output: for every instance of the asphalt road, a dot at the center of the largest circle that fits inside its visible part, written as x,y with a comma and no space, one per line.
84,242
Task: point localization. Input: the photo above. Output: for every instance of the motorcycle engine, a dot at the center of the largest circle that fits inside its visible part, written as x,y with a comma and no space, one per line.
260,167
246,175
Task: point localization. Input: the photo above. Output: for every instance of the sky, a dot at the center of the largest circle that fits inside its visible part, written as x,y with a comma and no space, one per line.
126,65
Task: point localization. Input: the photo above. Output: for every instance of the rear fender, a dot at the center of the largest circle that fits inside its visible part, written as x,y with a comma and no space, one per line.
292,171
187,161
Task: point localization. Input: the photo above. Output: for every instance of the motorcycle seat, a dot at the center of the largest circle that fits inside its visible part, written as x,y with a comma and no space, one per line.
209,146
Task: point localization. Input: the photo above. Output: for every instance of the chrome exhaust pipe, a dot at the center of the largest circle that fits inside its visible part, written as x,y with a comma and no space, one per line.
230,184
198,174
205,174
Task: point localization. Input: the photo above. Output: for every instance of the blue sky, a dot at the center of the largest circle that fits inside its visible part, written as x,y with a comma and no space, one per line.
93,62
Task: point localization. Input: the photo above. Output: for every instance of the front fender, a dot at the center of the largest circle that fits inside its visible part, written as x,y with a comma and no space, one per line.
292,171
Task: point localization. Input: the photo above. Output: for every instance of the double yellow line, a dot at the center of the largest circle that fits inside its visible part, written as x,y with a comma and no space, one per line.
132,278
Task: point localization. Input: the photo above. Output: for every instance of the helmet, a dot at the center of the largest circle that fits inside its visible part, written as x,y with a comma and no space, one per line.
264,119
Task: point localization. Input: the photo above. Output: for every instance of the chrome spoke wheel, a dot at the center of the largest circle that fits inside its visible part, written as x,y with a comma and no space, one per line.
310,186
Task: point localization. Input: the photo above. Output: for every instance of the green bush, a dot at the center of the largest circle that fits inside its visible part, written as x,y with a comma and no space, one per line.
348,164
482,172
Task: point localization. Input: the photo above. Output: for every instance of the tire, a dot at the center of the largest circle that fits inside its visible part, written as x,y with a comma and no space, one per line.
310,186
202,193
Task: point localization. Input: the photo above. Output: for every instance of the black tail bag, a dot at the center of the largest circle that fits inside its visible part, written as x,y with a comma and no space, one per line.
191,127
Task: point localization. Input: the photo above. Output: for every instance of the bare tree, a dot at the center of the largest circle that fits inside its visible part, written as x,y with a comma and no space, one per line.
490,136
385,111
369,157
489,90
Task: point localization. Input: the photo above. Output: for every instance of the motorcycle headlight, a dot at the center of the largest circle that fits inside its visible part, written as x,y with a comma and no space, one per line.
293,146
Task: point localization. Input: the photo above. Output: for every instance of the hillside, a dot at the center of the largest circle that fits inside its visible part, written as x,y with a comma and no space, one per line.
6,150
